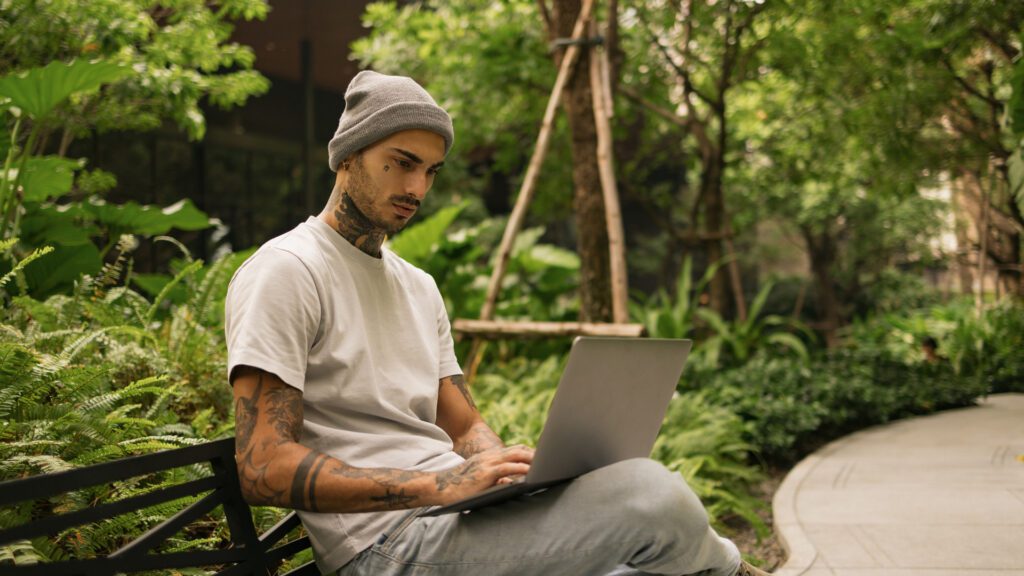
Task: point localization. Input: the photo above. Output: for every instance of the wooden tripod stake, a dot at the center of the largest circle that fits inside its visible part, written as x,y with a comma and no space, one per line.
602,101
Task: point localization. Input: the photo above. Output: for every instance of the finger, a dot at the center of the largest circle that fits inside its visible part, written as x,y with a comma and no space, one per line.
518,454
502,471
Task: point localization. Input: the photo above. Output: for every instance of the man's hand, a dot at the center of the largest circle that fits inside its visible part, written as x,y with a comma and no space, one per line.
481,471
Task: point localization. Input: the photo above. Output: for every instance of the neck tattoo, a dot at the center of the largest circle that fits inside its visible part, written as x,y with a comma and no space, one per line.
355,227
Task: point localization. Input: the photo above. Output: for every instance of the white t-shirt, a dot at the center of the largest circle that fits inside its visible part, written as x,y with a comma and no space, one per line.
366,340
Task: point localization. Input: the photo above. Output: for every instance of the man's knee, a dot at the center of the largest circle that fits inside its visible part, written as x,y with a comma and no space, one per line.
647,493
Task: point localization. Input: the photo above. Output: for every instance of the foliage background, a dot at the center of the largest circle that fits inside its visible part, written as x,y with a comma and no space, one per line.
97,362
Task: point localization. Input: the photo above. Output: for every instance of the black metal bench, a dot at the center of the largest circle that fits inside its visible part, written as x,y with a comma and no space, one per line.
249,553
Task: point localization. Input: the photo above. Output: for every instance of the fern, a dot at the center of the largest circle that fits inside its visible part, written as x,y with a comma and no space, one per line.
16,270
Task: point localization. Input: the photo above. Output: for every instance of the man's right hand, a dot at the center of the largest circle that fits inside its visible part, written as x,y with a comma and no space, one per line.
481,471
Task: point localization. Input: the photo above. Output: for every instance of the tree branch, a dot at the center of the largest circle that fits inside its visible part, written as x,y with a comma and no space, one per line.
1008,50
682,72
967,85
542,5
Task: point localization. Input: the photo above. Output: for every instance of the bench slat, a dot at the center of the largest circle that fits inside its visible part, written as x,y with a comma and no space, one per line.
109,566
47,485
54,524
171,526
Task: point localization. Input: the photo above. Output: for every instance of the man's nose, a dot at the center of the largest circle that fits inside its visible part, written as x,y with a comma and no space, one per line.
417,185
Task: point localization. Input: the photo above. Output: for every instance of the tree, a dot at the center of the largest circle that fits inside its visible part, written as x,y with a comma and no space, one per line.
75,66
700,53
178,53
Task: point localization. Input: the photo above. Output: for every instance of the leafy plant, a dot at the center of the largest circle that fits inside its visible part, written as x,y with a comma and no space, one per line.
740,339
37,202
666,316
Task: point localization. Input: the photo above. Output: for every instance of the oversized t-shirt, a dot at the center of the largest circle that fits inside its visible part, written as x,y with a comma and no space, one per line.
366,340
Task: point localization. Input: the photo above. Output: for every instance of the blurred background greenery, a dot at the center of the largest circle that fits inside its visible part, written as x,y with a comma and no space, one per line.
863,157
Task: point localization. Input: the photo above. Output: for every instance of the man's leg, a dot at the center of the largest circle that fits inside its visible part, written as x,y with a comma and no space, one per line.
634,513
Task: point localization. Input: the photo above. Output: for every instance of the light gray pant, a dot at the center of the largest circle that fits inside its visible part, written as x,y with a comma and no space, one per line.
634,517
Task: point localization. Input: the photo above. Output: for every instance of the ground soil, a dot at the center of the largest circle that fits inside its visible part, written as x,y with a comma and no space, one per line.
767,553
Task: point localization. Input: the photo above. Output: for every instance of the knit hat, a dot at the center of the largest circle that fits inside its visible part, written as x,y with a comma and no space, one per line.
377,106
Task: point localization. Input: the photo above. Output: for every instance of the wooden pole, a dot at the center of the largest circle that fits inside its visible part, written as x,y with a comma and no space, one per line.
526,191
983,256
519,329
613,212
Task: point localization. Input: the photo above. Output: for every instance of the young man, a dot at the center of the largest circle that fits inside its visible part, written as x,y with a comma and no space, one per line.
351,407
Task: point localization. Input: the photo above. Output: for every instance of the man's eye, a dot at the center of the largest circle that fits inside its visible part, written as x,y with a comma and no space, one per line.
404,163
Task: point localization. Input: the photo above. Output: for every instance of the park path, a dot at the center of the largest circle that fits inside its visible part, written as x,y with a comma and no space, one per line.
938,495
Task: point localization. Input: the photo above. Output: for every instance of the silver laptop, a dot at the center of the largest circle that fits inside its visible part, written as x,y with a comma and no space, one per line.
608,407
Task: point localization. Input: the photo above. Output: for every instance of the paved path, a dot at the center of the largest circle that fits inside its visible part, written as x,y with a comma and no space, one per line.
939,495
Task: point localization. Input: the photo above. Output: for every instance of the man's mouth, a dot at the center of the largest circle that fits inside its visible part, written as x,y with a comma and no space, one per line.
404,210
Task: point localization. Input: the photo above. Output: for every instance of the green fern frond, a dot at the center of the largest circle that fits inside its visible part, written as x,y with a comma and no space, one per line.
162,401
34,255
44,462
62,360
21,447
188,270
21,553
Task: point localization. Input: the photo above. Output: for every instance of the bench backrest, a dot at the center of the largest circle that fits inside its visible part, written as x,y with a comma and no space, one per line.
250,553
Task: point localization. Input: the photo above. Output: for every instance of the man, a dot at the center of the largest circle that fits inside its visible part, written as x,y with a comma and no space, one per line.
351,407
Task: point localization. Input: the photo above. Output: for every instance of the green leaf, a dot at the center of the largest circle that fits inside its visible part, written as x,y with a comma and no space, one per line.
790,341
61,268
547,256
46,177
55,225
1016,104
1016,175
417,242
153,284
131,218
39,90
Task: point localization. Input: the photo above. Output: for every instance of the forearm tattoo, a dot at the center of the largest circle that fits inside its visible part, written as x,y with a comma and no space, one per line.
459,381
389,480
478,438
283,407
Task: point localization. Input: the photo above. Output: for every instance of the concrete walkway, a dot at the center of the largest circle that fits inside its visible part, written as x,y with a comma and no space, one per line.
939,495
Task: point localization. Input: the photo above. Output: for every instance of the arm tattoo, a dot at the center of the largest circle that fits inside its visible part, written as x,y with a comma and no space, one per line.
477,439
253,480
246,414
299,481
457,475
394,500
390,481
459,381
312,485
285,411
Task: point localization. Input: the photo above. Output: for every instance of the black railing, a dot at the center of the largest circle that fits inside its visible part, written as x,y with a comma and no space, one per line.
249,554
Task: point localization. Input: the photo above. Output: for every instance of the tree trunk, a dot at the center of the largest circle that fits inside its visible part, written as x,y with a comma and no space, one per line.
588,203
711,192
823,251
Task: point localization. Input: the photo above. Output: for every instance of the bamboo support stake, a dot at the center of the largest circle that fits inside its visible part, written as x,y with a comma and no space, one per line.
519,329
613,212
979,301
529,186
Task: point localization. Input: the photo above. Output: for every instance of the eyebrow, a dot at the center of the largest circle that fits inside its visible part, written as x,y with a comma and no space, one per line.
415,158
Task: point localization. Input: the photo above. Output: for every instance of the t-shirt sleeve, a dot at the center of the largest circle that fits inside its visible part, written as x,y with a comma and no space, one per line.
448,364
272,316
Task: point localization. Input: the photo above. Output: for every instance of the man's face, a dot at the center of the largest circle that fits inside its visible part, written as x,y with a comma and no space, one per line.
388,180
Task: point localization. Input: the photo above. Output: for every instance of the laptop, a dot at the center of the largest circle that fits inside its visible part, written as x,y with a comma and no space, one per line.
608,407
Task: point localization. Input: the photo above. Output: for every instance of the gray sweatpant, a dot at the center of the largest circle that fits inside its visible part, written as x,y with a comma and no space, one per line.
634,517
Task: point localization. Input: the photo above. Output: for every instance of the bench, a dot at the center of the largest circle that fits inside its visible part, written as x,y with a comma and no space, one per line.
249,553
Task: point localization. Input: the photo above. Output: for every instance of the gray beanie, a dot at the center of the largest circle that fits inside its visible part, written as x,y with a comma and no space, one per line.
377,106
